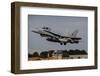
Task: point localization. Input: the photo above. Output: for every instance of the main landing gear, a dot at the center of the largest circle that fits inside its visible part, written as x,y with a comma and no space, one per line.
63,43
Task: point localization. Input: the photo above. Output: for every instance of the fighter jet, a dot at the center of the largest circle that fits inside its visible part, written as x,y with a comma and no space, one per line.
58,38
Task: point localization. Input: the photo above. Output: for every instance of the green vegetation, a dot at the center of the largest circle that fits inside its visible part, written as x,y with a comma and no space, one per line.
44,54
65,54
51,54
35,54
77,52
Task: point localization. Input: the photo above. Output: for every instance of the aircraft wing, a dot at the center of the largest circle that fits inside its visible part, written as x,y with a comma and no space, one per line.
46,34
74,38
54,34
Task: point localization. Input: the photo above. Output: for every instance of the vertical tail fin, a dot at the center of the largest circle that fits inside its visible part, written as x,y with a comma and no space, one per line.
74,33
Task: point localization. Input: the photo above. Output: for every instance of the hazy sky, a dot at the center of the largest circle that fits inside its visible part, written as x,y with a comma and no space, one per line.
59,24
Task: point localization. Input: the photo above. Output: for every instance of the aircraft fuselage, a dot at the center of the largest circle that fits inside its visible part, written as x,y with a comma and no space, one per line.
54,37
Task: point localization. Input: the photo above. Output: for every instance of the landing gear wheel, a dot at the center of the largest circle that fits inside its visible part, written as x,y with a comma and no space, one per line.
64,43
60,43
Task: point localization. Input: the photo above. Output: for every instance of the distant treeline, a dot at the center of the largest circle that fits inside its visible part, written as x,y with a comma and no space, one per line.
65,53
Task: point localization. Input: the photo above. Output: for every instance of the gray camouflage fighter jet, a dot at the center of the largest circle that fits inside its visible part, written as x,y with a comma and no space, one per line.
58,38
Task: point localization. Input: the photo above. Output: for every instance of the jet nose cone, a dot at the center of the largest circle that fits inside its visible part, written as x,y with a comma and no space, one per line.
34,30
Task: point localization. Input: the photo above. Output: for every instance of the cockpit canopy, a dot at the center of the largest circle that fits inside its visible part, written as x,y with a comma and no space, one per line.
46,28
